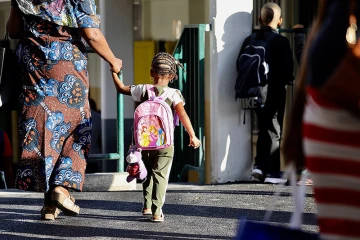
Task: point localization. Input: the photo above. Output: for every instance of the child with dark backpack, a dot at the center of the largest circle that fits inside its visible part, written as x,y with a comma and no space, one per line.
154,121
265,67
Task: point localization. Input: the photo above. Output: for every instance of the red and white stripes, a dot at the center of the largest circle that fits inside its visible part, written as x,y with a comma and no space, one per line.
332,149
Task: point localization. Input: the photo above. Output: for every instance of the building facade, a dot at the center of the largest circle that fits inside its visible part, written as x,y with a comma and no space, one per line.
137,29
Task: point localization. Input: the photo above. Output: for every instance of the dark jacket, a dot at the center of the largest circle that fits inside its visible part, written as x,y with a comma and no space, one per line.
279,56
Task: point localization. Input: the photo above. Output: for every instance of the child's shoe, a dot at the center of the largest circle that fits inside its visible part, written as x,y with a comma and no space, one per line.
146,211
156,218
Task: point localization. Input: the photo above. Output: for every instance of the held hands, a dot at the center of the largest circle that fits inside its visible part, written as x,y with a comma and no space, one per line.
116,65
194,142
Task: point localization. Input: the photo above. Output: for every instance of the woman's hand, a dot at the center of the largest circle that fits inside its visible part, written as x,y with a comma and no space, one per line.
195,142
116,65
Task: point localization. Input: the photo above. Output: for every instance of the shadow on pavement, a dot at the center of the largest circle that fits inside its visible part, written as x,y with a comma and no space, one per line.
170,209
92,232
237,192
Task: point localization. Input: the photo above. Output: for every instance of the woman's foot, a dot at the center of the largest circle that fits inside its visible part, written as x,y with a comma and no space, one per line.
61,199
49,212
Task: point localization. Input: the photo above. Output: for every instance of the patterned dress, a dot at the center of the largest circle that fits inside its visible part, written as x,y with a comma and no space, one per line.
55,123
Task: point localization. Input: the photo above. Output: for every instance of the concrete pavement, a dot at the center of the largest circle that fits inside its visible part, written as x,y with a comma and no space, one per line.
191,212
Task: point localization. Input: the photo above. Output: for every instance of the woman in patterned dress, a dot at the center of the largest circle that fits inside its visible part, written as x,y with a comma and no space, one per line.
55,121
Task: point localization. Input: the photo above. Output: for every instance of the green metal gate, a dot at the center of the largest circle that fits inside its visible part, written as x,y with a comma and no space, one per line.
190,51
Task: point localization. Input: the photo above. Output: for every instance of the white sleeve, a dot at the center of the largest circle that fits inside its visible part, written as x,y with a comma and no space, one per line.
137,91
177,98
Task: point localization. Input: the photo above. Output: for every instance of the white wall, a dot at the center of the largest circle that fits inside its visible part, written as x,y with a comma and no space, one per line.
116,24
162,14
230,138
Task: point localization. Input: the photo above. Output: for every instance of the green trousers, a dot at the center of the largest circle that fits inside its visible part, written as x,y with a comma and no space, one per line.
158,164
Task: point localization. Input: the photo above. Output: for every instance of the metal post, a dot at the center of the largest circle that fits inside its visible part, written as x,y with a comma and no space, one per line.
120,129
201,99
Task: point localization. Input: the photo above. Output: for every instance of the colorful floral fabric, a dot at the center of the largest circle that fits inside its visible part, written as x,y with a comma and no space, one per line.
55,123
52,26
68,13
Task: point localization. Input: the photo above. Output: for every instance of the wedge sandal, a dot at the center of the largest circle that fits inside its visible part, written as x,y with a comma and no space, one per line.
64,203
49,213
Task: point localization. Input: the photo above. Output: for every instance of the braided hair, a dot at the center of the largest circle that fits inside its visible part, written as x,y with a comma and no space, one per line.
164,63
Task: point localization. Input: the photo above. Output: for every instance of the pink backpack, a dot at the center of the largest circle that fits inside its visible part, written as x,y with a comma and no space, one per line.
154,122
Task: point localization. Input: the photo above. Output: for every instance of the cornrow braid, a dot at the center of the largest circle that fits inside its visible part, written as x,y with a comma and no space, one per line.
164,63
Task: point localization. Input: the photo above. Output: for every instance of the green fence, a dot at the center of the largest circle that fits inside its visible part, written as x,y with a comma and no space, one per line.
190,51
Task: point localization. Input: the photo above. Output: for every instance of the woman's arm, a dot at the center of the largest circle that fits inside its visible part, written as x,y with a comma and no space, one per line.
97,41
120,87
14,25
184,118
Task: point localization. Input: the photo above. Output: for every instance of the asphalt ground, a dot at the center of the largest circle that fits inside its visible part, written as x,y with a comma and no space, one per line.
191,212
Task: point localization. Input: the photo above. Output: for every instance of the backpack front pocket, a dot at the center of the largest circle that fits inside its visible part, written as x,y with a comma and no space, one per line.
151,132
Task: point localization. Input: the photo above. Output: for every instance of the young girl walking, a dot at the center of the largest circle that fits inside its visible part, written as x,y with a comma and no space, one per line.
158,162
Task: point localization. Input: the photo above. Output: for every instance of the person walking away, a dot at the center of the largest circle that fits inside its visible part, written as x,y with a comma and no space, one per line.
278,68
55,124
158,162
323,134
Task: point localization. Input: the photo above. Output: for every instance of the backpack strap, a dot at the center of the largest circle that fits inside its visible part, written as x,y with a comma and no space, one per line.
150,91
166,93
252,37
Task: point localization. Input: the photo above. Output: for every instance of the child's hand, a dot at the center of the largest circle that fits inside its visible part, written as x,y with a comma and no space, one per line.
195,142
120,87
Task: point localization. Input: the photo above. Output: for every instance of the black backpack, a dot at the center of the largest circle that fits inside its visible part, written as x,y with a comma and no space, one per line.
253,70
